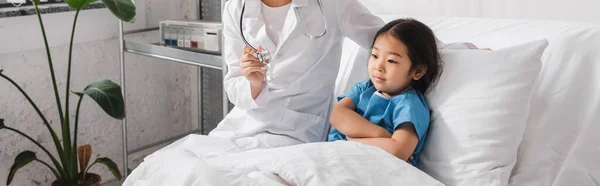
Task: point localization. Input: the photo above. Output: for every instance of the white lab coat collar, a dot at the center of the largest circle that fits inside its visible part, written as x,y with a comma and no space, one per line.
252,8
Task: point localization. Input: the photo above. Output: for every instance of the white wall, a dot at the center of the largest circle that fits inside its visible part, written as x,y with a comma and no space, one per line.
561,10
160,95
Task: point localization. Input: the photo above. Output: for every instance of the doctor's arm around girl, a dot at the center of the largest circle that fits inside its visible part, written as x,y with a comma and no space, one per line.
389,110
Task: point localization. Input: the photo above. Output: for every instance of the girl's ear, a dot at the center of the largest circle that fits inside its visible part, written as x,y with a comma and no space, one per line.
419,72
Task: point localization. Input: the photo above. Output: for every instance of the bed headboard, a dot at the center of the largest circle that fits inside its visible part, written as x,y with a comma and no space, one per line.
559,10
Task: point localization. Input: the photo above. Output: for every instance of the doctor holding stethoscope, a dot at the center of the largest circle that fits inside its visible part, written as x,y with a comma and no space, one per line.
283,58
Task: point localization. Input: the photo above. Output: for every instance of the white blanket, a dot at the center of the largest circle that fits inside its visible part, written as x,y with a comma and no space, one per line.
327,163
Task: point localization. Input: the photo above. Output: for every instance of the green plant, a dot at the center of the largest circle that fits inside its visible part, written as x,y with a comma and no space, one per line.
106,93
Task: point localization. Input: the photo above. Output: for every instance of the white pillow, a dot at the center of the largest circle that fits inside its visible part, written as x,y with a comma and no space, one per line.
479,108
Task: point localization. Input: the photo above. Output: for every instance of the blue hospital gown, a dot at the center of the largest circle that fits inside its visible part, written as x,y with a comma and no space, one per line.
389,113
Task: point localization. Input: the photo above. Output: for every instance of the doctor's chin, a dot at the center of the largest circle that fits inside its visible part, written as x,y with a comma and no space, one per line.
299,93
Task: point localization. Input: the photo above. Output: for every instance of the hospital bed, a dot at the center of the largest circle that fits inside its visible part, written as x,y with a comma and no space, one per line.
554,143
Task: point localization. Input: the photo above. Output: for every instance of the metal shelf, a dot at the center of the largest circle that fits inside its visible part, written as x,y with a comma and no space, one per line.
169,54
155,50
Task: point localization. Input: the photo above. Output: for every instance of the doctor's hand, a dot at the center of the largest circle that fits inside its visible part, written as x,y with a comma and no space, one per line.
253,70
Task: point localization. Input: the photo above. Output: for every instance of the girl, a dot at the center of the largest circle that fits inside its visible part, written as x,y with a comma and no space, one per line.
388,110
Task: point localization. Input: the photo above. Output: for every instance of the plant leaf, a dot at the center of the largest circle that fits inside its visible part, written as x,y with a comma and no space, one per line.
122,9
112,166
1,70
79,4
35,2
108,95
84,154
21,160
1,123
77,93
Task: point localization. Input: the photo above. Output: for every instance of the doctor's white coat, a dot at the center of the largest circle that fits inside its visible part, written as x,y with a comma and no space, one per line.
294,104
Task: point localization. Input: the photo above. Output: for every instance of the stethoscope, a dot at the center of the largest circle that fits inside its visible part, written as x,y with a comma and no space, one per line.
264,55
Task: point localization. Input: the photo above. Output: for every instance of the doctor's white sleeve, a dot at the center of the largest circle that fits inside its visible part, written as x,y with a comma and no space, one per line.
235,84
357,23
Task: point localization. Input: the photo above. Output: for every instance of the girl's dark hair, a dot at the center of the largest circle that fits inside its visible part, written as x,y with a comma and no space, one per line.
422,48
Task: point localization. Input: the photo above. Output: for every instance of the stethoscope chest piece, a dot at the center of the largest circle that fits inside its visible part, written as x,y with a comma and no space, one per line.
263,56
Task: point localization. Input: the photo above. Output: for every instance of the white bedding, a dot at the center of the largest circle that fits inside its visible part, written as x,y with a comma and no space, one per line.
326,163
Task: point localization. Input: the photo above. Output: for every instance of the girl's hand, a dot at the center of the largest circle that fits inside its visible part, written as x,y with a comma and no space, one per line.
252,69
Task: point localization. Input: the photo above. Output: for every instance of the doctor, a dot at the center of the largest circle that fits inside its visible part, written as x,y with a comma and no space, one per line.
283,95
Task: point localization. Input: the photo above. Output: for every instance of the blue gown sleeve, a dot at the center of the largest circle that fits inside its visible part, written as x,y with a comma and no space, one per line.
355,91
412,112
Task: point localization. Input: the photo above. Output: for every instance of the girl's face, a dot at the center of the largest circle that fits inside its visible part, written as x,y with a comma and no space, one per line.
389,66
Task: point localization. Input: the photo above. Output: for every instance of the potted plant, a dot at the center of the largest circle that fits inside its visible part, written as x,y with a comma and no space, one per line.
71,166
